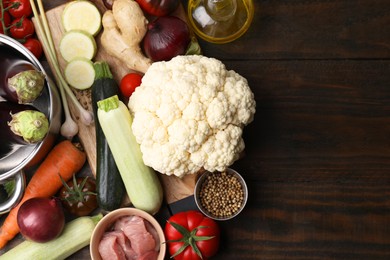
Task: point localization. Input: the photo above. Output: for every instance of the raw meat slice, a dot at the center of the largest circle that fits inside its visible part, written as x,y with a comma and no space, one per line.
140,239
122,222
153,231
110,249
151,255
124,242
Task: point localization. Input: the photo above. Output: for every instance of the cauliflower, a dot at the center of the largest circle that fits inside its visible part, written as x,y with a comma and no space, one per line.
189,115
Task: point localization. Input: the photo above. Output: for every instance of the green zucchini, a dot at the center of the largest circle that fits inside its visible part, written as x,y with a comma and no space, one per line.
109,184
141,182
75,236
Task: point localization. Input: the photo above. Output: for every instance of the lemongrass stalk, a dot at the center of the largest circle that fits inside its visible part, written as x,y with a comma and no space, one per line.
46,28
69,128
86,116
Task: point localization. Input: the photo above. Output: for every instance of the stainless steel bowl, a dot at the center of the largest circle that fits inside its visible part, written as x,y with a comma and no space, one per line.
218,197
21,157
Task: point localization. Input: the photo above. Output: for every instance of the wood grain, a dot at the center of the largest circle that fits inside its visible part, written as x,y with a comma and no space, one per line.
319,29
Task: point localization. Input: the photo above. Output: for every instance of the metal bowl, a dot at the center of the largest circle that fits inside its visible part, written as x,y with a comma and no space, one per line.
23,156
218,197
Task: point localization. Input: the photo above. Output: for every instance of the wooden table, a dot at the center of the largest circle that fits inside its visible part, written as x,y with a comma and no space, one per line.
318,152
317,158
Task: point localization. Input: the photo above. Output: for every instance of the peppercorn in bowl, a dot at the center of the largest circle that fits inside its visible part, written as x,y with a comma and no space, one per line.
221,195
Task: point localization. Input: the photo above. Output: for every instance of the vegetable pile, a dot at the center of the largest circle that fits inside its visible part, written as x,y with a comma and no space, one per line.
15,21
173,113
69,127
64,160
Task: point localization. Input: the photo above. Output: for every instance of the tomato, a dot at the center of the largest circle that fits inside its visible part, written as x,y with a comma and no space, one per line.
79,196
35,46
158,7
7,21
19,8
5,3
22,28
191,235
128,84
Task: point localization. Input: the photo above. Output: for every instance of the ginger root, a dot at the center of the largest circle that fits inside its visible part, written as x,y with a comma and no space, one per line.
124,28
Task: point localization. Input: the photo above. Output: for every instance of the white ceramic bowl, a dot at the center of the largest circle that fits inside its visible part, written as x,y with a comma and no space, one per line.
108,220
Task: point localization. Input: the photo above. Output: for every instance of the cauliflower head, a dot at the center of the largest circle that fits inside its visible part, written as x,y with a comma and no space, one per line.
189,114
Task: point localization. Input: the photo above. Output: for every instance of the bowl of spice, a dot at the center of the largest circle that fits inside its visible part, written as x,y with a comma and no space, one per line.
221,195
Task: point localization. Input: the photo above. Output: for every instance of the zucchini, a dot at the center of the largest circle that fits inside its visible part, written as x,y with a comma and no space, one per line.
80,73
109,184
75,236
76,44
82,15
141,182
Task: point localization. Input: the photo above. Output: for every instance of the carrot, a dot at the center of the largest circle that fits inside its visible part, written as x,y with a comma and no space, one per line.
64,159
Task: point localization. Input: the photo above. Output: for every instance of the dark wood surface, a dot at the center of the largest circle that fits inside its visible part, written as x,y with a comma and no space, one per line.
318,152
317,158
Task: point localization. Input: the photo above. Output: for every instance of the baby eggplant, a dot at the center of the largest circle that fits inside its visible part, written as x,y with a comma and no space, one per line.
21,83
22,124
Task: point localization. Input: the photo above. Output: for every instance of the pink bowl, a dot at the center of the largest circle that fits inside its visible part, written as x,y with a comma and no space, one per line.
107,221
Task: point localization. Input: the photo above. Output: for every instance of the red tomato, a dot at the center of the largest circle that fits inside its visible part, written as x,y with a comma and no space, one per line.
180,226
128,84
79,196
22,28
7,21
19,8
5,3
35,46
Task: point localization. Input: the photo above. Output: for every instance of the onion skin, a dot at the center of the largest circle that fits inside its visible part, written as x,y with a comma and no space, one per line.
41,219
158,7
108,4
167,37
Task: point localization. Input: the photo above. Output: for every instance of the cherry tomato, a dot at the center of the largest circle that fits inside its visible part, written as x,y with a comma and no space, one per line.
128,84
35,46
5,3
79,196
22,28
7,21
19,8
191,235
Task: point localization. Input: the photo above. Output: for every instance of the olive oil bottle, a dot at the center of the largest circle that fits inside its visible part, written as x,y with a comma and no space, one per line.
220,21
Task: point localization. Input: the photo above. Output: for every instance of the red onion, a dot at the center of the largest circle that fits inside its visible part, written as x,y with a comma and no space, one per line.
158,7
41,219
167,37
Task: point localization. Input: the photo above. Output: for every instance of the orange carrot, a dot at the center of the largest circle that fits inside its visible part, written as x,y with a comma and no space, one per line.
64,159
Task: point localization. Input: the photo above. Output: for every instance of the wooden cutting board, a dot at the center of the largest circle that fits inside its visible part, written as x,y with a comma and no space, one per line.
174,188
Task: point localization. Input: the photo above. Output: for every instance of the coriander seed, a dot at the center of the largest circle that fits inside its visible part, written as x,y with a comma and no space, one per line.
221,194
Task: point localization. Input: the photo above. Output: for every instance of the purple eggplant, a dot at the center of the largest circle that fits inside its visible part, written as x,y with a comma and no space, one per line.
20,82
22,124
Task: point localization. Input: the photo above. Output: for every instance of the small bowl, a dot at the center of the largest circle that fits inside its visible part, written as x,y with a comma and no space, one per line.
108,220
208,213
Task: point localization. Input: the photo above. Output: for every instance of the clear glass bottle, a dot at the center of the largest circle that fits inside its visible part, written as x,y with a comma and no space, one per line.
220,21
